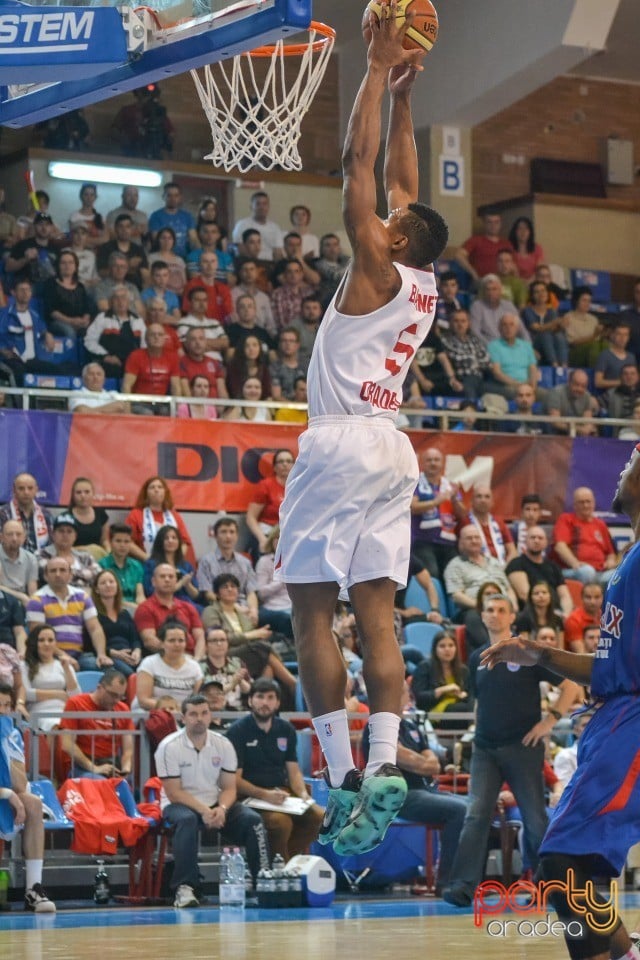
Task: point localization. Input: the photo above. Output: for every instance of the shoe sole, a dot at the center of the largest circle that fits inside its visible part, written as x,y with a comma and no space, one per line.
380,800
341,818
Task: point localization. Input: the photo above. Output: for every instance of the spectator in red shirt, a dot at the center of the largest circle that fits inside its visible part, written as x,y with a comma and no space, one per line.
196,363
582,543
163,605
478,255
151,370
586,615
263,511
219,302
496,536
110,752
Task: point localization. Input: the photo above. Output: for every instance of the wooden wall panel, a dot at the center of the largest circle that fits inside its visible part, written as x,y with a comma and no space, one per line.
567,119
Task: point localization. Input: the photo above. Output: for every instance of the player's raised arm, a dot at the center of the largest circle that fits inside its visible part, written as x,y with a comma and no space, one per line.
362,140
400,157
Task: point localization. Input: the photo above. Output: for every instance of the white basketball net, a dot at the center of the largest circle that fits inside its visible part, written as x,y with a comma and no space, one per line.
257,123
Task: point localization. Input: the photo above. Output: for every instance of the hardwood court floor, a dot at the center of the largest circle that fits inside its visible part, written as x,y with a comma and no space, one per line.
356,930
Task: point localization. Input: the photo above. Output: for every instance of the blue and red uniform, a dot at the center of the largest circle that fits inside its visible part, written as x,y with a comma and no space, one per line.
599,811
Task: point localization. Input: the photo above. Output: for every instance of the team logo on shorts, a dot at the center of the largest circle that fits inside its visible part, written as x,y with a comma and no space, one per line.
415,735
282,743
328,729
514,667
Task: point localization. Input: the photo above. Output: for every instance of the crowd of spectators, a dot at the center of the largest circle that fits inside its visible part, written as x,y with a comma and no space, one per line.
131,599
130,292
170,306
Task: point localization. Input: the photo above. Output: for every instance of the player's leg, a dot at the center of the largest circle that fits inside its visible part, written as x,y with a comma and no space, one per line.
582,940
323,676
35,897
383,788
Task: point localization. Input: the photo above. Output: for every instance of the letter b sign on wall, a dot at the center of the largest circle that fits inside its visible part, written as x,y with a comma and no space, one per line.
451,176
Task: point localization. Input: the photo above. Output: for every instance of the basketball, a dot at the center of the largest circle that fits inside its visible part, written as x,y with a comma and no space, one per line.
423,32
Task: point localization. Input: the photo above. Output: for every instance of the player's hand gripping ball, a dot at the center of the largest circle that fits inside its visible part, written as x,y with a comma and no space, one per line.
423,32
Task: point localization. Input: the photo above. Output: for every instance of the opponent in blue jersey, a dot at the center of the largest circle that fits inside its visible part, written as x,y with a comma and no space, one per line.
598,817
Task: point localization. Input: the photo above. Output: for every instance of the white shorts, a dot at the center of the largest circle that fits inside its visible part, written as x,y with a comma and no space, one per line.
345,517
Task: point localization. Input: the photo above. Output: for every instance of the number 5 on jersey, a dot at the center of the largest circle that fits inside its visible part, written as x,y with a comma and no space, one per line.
404,349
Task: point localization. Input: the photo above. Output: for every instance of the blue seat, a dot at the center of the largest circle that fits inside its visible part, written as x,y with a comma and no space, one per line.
560,375
416,596
88,680
546,380
445,607
420,636
599,281
54,816
300,702
304,746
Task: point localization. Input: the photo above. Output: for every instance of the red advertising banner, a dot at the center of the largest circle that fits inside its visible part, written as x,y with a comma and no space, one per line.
209,465
213,466
512,465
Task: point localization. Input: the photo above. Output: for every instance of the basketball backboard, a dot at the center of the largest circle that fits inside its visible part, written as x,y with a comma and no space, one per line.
55,58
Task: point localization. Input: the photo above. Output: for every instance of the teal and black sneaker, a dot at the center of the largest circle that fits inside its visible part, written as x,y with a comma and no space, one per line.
381,797
340,806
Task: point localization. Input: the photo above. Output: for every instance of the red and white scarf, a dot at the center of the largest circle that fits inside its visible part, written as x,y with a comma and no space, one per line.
40,527
150,527
497,540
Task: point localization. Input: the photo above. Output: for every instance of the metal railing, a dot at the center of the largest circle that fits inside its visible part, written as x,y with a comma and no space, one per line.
445,418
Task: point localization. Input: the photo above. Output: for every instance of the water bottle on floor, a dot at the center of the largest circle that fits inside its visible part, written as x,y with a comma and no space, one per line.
4,890
232,889
101,886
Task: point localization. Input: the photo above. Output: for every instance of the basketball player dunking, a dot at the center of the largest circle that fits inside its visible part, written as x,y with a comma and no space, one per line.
598,817
345,522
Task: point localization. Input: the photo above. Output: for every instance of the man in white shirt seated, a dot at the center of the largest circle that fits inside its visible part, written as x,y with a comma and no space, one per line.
93,398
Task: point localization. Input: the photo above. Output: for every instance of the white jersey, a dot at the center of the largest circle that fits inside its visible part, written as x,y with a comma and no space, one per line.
359,364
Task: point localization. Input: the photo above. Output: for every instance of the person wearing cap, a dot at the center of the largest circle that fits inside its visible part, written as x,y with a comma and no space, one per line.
34,259
213,691
84,568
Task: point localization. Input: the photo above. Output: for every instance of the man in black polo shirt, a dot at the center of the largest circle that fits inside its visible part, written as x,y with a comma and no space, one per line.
268,770
532,567
508,745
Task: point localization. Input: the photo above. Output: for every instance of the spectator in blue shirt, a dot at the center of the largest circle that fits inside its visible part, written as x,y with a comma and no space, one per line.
172,215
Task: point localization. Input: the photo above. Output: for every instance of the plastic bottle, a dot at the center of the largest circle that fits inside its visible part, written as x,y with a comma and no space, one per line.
4,890
269,889
296,894
239,877
282,889
232,890
101,886
261,882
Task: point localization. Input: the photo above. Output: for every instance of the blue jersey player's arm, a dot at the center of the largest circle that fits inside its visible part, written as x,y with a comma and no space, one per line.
528,653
